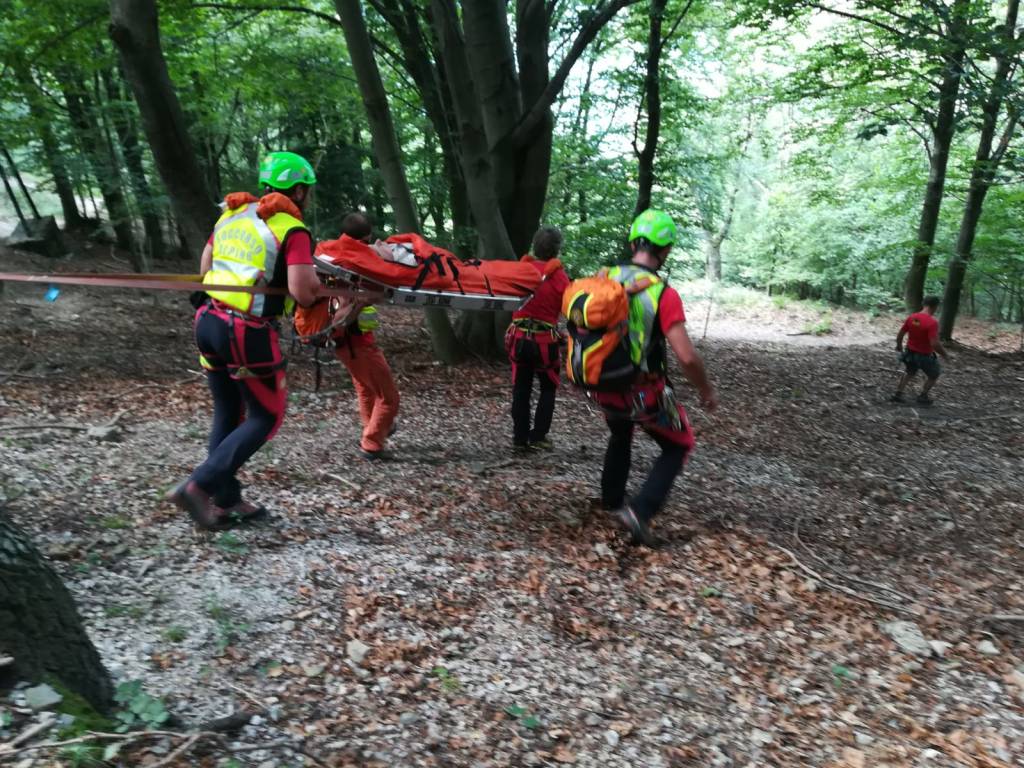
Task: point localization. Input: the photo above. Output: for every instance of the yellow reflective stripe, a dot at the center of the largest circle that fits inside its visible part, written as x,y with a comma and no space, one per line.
368,319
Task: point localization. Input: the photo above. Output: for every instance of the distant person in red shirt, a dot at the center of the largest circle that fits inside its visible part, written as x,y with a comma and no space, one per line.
532,343
921,330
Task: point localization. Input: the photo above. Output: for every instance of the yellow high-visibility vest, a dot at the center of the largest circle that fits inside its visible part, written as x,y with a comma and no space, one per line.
245,252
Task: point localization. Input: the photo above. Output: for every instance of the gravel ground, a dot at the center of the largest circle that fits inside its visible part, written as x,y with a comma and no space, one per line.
461,606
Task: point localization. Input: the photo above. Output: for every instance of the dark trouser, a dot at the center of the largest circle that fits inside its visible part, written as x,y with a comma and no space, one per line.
666,423
522,392
532,356
248,404
656,487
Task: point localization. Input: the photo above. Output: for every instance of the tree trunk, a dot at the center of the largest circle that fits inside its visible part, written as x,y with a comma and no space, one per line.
21,182
14,200
51,148
378,115
652,94
476,161
942,133
83,115
135,31
985,165
127,134
39,625
713,256
478,331
389,157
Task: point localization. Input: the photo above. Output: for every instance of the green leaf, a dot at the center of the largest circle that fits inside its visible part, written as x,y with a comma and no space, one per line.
515,710
530,722
710,592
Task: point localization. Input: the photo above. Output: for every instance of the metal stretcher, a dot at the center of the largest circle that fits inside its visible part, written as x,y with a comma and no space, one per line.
405,296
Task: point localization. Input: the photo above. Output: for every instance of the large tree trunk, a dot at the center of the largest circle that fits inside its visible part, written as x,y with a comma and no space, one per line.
652,95
389,156
985,164
39,625
942,133
479,331
135,31
83,117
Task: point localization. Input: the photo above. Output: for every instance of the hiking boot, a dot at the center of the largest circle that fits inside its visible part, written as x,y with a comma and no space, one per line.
639,530
371,455
200,507
521,448
897,398
924,400
541,445
244,512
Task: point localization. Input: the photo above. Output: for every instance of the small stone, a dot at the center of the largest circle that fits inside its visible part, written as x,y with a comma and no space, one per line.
408,718
863,739
593,720
929,754
939,647
104,434
908,637
313,670
42,697
356,650
760,738
602,549
988,648
612,738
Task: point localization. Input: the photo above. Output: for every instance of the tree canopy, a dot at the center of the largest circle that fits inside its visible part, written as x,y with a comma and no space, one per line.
864,153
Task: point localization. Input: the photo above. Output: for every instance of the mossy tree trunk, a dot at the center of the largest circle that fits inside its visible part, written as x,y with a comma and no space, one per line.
40,626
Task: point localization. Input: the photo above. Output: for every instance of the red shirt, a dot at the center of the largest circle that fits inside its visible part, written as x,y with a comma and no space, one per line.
670,309
546,304
922,330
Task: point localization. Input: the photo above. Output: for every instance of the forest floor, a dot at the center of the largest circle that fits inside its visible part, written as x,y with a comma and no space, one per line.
464,606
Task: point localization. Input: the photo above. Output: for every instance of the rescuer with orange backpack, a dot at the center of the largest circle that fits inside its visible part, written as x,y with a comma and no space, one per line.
620,325
256,242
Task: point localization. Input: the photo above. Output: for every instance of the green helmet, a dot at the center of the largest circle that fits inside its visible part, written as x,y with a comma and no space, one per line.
283,170
656,226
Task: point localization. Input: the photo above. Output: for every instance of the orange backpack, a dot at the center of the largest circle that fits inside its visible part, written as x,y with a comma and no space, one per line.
598,358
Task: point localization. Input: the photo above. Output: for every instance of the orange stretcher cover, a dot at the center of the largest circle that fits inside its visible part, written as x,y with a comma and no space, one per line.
437,269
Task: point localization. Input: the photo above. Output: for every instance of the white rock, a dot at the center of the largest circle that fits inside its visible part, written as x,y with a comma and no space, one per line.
612,738
42,697
356,650
939,647
908,637
760,738
863,739
988,648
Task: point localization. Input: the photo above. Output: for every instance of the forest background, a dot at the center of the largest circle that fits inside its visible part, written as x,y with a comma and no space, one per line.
862,153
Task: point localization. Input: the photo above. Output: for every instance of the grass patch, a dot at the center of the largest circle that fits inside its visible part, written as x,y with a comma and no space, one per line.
822,326
230,626
175,633
130,610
